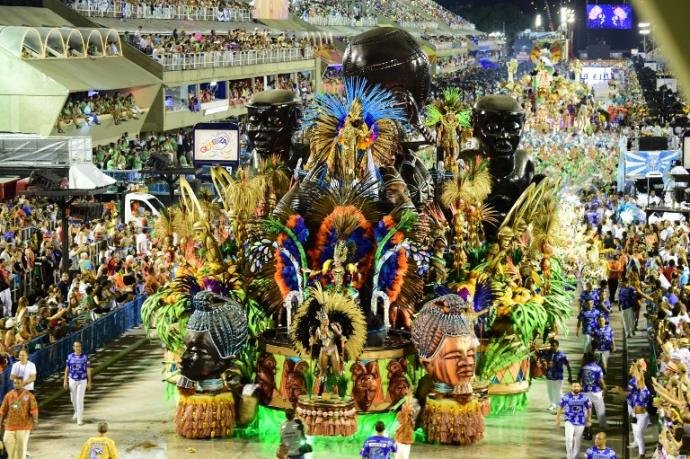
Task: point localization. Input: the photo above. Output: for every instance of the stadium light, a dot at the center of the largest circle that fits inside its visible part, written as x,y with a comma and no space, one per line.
645,32
642,25
537,21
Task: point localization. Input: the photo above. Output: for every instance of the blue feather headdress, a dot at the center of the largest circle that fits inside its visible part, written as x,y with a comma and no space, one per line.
381,112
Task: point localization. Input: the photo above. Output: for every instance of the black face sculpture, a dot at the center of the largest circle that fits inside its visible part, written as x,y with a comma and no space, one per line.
272,119
201,359
392,58
498,121
216,333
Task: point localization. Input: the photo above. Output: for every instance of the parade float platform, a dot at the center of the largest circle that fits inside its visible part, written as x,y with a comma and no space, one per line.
380,370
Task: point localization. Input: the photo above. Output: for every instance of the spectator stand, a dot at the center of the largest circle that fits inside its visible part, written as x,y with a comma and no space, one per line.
51,359
63,198
145,10
215,59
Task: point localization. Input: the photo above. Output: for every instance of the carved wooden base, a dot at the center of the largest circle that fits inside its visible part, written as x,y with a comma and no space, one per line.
329,417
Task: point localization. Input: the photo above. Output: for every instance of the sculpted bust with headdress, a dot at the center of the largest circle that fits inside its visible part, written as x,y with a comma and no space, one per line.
216,333
443,334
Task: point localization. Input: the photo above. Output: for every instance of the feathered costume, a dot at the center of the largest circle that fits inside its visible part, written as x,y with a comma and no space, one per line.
449,116
364,121
338,233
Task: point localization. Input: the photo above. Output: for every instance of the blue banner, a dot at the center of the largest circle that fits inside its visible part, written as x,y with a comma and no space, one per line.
640,163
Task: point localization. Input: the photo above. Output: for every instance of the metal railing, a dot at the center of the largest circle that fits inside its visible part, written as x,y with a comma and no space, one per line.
126,10
50,358
340,21
210,59
458,26
446,44
418,25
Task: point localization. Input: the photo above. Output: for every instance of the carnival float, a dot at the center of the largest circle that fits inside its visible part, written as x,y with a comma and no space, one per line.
353,276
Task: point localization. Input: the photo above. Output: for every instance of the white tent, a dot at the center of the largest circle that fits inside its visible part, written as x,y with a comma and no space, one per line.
86,176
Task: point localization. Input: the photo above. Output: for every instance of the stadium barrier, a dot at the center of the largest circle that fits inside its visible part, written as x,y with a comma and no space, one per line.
50,359
189,61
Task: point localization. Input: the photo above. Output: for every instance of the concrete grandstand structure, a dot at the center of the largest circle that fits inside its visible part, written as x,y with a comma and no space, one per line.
58,53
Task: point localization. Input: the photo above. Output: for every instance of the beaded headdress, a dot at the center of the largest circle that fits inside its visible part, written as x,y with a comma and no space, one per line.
448,315
223,319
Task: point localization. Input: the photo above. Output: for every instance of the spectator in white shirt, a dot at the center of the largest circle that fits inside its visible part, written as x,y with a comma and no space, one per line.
143,242
653,198
5,255
24,371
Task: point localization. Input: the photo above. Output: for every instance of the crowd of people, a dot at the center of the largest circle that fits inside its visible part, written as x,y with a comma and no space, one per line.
241,91
204,10
332,12
575,158
108,264
135,153
642,268
181,42
86,107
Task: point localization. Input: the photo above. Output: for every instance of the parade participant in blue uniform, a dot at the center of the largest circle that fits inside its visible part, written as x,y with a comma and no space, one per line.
77,379
604,305
637,371
638,398
586,321
578,413
603,341
555,361
591,377
378,446
600,450
589,293
627,298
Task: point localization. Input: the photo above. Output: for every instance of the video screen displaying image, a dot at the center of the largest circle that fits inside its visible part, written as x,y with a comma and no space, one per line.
609,16
216,146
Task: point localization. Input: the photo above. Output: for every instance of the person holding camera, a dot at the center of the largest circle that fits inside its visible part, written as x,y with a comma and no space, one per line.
293,442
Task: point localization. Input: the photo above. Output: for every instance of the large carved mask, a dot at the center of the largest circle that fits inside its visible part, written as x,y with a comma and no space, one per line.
366,388
294,383
272,118
455,362
265,378
398,385
498,121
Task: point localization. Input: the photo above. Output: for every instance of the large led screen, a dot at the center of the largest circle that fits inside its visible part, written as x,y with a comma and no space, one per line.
216,144
609,16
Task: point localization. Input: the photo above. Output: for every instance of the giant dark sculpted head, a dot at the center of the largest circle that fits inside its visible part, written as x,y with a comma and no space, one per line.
392,58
